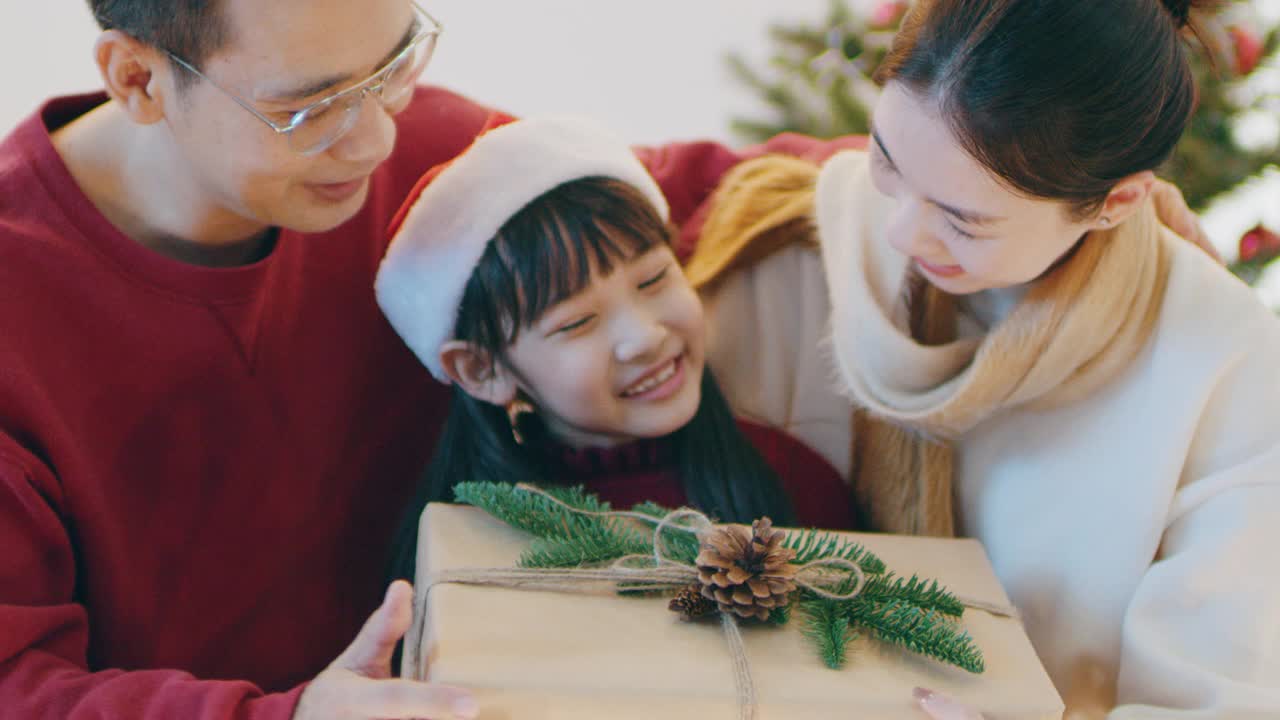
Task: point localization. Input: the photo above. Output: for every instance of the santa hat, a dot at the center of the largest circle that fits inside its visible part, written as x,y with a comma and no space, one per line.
456,208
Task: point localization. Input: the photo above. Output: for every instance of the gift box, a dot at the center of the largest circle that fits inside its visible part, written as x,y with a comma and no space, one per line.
530,655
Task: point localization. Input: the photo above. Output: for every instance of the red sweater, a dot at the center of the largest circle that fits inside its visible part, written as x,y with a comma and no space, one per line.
646,470
200,468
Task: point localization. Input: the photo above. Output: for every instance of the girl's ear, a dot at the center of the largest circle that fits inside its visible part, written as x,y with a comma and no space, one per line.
1124,199
475,371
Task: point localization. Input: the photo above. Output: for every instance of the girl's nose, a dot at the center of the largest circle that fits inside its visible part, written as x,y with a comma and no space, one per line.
640,339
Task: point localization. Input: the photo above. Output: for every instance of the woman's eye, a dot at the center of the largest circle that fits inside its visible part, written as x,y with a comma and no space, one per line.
959,233
879,159
655,279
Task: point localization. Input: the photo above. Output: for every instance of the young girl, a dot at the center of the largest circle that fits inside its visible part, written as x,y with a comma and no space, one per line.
1020,335
533,272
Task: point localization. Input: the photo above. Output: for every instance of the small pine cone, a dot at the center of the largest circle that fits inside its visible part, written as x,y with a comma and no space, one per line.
747,572
690,603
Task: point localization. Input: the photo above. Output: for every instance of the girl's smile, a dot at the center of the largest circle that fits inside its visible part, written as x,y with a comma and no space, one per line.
659,383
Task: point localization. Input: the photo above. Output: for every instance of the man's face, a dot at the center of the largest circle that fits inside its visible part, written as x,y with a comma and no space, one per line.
281,56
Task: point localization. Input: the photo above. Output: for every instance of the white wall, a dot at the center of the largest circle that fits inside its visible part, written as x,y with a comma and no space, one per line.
653,70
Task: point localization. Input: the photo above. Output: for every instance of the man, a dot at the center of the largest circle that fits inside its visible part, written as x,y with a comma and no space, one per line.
207,429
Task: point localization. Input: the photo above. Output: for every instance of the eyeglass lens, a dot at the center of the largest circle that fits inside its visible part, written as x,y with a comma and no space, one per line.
323,124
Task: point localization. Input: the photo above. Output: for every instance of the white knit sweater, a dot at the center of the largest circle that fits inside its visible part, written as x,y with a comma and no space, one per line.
1132,528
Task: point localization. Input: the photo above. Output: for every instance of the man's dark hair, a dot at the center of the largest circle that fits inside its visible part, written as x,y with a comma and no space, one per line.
190,29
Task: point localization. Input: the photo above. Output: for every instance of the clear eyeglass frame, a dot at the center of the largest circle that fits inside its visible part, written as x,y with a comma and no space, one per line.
316,127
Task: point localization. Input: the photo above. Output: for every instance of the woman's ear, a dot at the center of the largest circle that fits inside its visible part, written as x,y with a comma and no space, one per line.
476,372
131,73
1125,199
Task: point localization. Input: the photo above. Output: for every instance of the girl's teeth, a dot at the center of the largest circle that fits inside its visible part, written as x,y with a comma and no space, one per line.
653,382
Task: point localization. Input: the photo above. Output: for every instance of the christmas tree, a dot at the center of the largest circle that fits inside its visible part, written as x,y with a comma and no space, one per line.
819,82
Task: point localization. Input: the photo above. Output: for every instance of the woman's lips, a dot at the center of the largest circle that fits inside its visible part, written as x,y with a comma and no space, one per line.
945,271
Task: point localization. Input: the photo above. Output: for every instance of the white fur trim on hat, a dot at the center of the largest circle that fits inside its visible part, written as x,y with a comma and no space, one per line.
448,226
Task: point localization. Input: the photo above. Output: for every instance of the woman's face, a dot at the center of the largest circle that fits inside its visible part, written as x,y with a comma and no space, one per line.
621,360
964,230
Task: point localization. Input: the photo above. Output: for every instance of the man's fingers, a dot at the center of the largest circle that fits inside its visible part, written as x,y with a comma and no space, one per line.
370,653
410,699
1173,211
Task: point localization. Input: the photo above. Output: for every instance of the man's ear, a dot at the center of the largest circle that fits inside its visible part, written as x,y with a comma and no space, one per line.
1124,199
132,73
477,373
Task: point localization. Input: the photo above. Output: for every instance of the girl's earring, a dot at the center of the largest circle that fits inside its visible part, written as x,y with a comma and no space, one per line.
1106,221
515,409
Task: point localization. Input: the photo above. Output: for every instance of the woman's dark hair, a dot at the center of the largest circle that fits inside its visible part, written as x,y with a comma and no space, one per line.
1061,99
545,254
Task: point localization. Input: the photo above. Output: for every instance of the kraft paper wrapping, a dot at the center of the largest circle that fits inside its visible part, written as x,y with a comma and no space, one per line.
541,655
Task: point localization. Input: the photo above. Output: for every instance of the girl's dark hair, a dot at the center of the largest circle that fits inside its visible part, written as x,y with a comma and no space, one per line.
544,254
1059,98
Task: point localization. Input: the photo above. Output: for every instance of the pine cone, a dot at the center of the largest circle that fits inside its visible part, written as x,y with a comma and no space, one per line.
747,572
690,603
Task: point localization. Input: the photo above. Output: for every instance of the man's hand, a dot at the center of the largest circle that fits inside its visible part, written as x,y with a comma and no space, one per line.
1172,209
358,685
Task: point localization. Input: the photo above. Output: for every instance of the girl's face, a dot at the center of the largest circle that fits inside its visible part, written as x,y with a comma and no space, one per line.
965,231
621,360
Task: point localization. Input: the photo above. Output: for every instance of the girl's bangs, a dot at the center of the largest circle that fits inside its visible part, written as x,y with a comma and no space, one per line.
549,251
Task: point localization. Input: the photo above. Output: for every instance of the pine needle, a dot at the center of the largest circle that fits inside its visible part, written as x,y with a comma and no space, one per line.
565,539
926,595
920,631
826,623
813,545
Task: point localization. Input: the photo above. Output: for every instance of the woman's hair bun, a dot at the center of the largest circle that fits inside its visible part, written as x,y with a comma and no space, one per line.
1181,9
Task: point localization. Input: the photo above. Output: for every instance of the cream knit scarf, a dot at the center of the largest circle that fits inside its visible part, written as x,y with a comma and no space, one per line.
916,385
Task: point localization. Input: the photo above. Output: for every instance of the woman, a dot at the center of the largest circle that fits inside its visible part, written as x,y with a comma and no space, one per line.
1035,361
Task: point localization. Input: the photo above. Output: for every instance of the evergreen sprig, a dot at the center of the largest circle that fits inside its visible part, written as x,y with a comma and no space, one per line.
921,631
913,613
924,594
812,545
826,623
592,548
678,545
563,538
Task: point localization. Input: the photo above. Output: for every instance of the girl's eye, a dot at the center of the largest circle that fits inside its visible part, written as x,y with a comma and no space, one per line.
575,325
655,279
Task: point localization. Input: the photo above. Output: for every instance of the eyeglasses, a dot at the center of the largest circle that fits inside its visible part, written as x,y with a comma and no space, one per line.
319,125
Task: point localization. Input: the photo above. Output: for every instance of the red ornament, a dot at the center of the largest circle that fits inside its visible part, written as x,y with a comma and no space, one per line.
1259,245
887,14
1248,49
